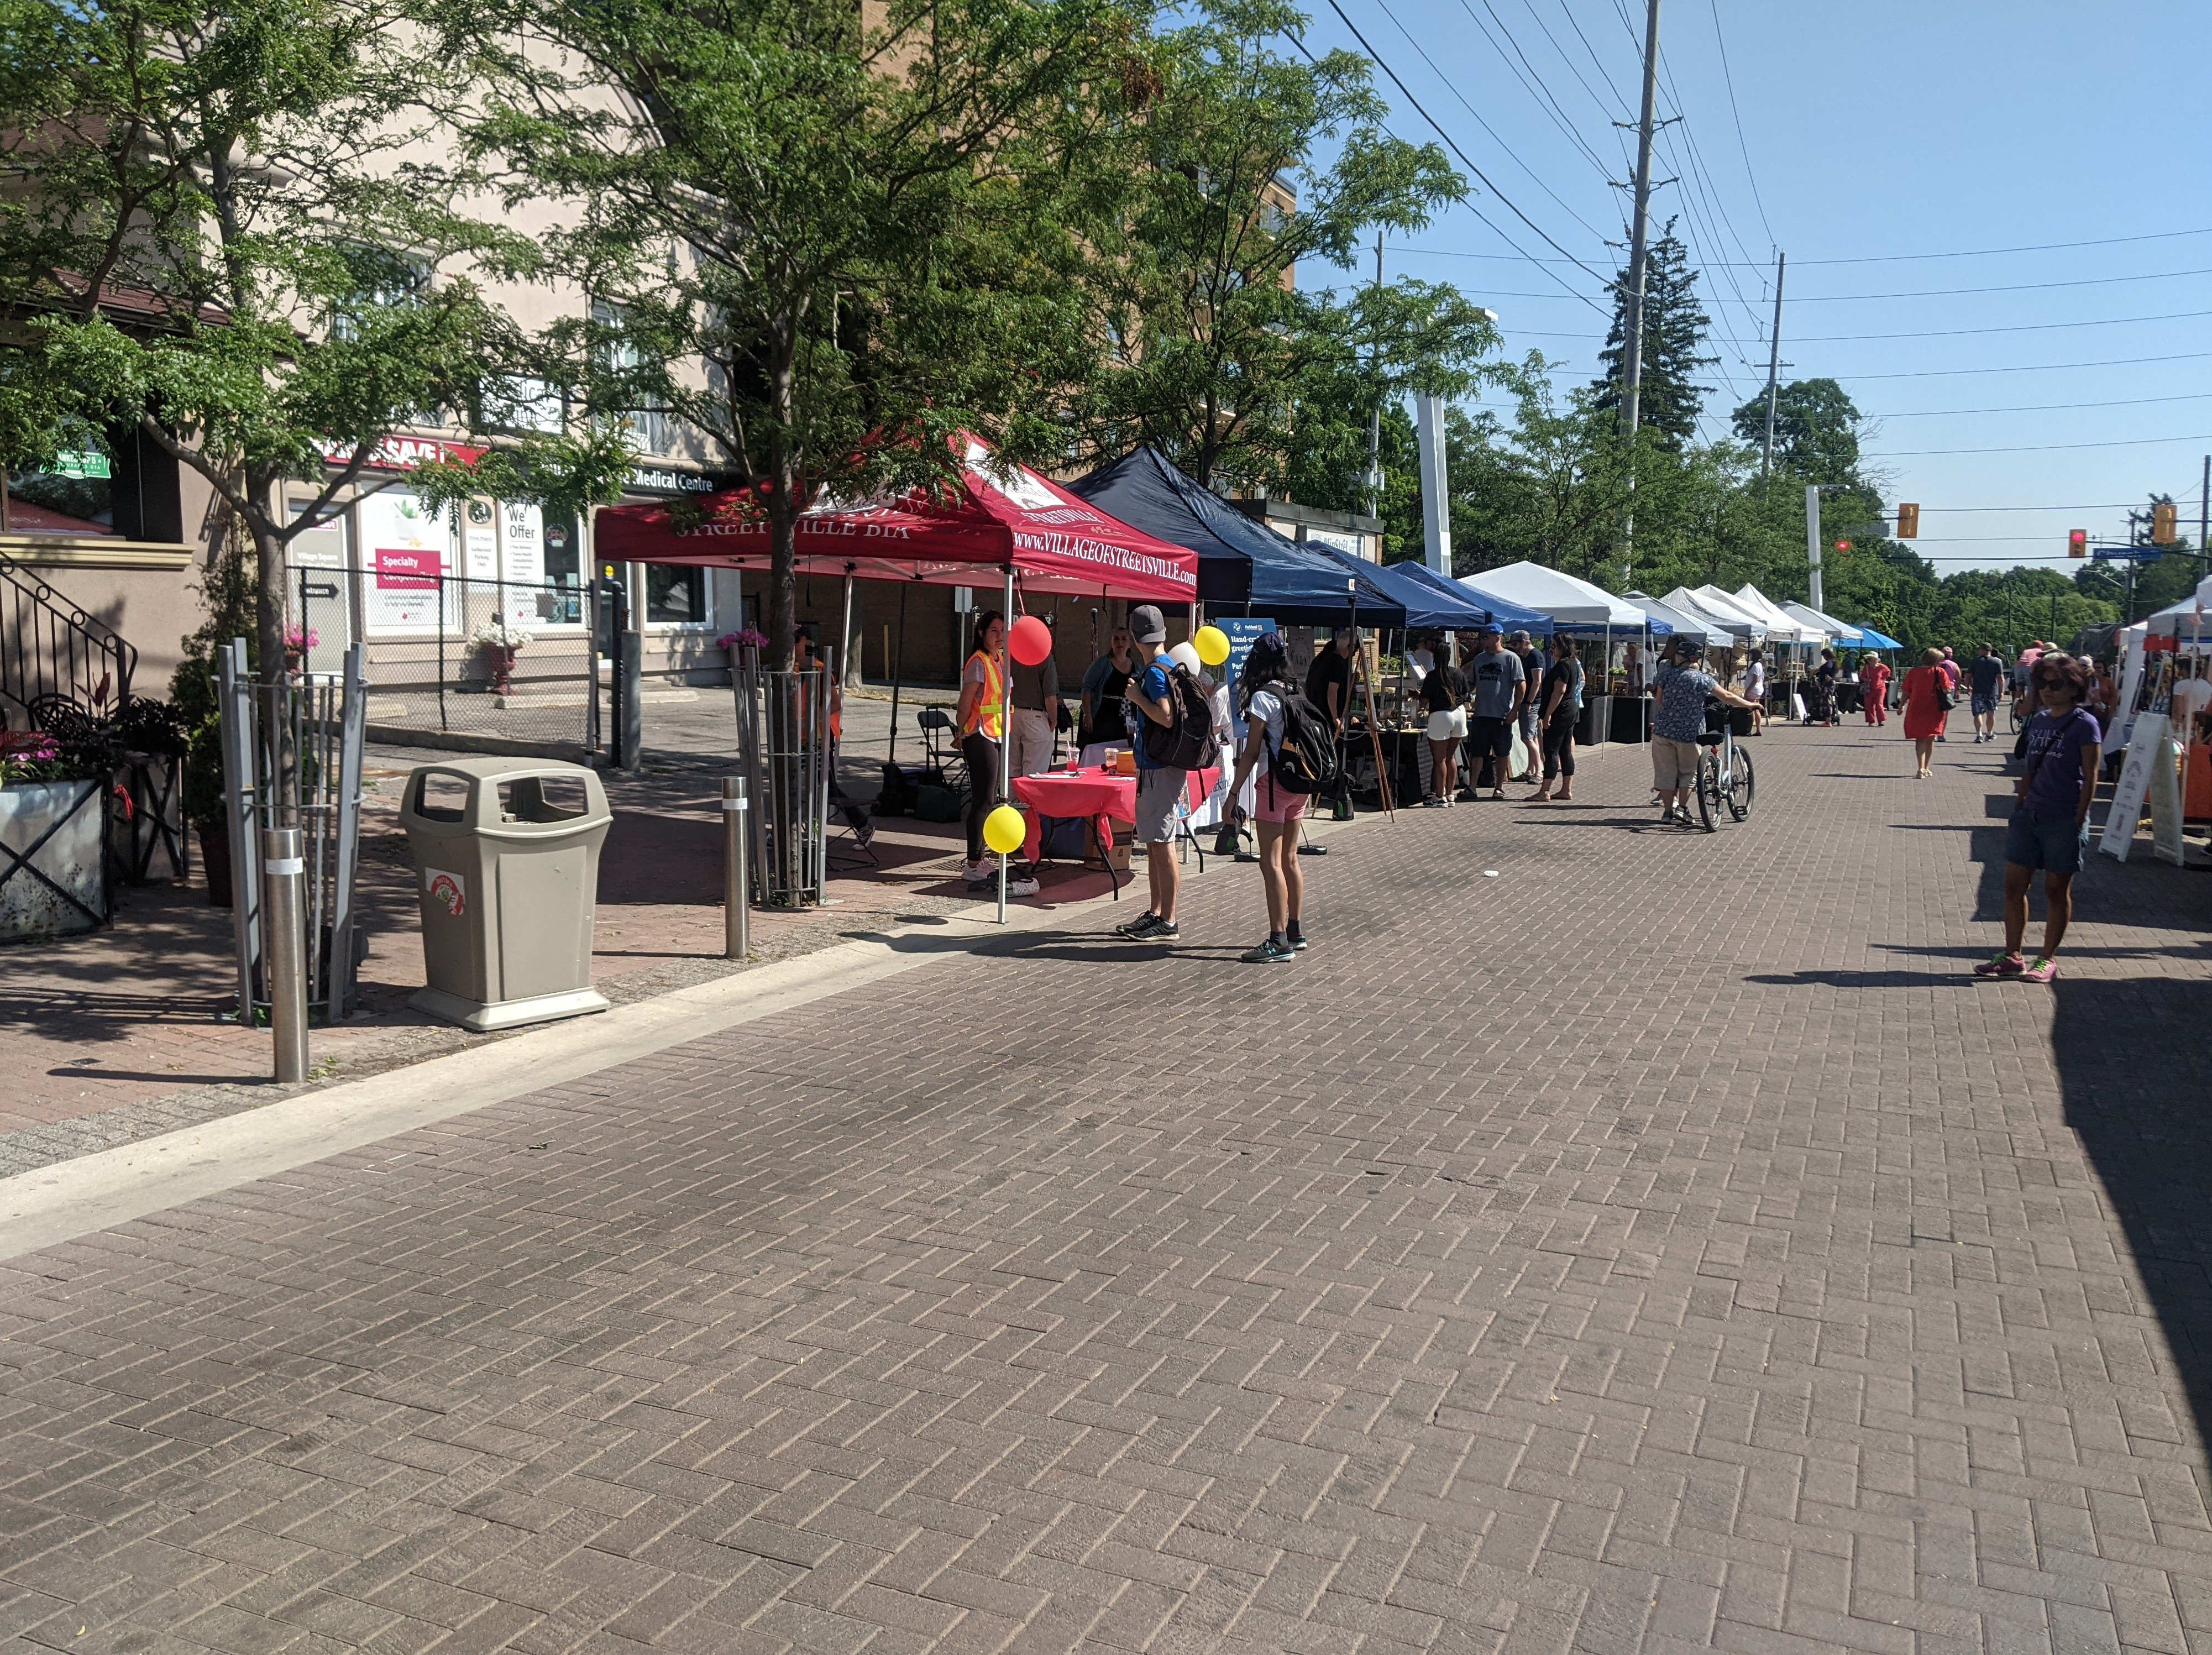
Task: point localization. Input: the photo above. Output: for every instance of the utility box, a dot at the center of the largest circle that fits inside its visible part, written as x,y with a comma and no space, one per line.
506,858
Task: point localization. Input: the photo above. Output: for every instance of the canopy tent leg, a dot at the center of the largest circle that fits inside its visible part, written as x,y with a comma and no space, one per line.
1006,730
898,665
1374,736
845,634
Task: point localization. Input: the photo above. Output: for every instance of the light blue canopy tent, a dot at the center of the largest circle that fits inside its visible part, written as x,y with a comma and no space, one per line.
1870,639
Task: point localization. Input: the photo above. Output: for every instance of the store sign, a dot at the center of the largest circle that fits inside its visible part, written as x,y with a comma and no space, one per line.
409,569
403,453
85,463
666,479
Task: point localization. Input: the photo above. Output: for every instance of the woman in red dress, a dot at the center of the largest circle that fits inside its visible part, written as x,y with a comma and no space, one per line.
1923,713
1874,688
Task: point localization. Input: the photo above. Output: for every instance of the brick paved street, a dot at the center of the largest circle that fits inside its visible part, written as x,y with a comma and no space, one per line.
1663,1245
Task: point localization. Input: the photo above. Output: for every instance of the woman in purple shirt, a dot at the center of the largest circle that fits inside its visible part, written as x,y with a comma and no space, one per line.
2050,827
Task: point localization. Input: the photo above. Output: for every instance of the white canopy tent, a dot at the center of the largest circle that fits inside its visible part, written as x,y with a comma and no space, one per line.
1684,622
1570,603
1782,627
1718,611
1841,631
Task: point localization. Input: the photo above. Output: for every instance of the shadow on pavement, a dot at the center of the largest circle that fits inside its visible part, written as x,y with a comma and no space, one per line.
2130,1056
1899,978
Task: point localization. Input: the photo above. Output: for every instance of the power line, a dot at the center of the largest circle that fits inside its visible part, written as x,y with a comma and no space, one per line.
2040,407
1453,143
1900,258
1728,79
2110,505
1539,91
2041,447
2012,287
1932,333
2036,367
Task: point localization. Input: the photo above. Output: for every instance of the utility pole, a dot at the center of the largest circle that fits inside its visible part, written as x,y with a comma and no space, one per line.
1375,415
1773,368
2204,521
1812,540
1632,389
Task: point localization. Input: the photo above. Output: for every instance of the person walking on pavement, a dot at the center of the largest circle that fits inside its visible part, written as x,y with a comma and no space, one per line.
1262,690
1681,688
1498,676
1873,679
1985,677
1561,694
1036,691
1150,696
2050,825
1754,692
1954,676
982,717
1824,691
1927,687
1444,692
1104,723
1531,717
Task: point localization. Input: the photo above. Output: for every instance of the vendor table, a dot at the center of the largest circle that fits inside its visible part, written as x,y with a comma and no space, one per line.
1096,795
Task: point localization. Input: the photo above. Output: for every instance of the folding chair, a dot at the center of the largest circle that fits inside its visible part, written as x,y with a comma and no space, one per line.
940,751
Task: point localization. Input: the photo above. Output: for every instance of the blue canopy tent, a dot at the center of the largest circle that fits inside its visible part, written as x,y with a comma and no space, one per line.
1243,566
1873,640
1424,605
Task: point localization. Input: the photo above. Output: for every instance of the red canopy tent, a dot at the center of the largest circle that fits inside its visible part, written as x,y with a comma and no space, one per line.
1001,517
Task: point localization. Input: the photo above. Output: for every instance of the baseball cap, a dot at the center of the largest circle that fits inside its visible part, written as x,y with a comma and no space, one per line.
1147,624
1491,630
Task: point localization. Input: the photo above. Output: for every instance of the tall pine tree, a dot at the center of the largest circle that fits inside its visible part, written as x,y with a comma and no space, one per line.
1675,325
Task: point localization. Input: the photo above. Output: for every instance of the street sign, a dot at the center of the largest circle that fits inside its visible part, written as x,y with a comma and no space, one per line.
2126,554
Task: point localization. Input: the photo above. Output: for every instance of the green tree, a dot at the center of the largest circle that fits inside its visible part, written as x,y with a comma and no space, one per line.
1816,430
1675,327
869,235
1219,348
242,181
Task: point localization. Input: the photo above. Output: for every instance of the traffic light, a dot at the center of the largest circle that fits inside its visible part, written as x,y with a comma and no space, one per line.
1908,521
1842,545
2162,528
2077,543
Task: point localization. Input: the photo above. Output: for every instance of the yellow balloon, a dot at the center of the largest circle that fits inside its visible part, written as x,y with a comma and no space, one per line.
1004,829
1212,645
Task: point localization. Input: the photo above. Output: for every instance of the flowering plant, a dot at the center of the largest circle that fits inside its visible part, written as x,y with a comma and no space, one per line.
746,639
32,756
499,635
301,638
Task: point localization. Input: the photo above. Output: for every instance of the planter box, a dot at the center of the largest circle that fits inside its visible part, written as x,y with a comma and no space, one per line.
53,861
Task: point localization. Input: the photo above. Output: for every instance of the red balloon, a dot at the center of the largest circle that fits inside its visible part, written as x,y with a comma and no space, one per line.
1031,641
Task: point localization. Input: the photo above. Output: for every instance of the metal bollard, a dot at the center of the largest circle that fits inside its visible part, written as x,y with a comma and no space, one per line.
284,874
737,891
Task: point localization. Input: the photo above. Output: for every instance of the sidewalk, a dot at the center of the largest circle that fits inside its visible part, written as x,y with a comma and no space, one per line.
1667,1245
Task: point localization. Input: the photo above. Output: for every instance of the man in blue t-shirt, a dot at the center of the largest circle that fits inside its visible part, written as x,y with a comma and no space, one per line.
1986,673
1159,789
2050,825
1681,687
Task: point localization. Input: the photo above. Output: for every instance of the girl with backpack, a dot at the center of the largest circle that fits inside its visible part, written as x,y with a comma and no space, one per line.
1265,693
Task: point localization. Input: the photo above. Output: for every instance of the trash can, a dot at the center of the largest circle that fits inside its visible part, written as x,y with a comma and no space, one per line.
507,855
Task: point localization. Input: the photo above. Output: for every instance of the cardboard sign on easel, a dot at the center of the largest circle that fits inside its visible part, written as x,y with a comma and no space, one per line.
2165,803
2145,742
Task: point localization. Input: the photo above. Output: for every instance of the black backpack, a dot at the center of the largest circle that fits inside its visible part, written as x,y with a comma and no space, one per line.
1187,743
1306,760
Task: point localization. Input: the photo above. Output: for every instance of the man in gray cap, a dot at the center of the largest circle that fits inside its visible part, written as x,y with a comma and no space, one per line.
1159,790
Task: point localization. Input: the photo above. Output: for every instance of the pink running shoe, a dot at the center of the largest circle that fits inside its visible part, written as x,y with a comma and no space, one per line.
2001,965
2044,970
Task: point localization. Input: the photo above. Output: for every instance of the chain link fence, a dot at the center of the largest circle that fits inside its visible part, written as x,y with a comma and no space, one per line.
499,662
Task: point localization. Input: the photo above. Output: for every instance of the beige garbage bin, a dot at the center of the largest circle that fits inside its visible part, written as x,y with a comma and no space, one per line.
507,855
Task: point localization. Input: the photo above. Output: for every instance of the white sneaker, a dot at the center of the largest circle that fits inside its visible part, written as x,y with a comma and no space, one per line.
975,872
1020,885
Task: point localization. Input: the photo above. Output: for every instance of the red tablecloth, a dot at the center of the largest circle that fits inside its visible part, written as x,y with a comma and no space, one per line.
1096,794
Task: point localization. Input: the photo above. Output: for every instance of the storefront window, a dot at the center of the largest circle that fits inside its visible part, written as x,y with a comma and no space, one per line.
72,496
564,573
676,596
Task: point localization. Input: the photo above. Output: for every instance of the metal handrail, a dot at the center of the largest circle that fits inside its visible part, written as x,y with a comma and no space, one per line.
51,648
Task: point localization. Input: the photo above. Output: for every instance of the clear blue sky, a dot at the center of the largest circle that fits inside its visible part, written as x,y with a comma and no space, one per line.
1868,131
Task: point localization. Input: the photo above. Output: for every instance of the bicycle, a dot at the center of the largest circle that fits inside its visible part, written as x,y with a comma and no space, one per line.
1724,773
